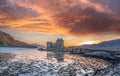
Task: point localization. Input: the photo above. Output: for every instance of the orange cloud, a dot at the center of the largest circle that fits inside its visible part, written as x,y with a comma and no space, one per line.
68,17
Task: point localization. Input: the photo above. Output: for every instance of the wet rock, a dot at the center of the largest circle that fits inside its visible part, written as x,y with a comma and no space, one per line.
7,73
109,71
67,71
28,67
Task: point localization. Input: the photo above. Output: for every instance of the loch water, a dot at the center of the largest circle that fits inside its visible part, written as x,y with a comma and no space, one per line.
18,61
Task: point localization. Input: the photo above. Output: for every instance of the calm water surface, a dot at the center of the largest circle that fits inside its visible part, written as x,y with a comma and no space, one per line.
32,62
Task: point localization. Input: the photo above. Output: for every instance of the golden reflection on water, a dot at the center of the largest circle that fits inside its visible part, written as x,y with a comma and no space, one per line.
30,62
58,57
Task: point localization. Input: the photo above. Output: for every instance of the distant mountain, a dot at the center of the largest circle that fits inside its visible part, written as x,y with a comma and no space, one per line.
113,45
8,40
37,45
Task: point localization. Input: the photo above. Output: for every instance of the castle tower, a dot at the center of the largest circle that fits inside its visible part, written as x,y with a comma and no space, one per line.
60,43
49,45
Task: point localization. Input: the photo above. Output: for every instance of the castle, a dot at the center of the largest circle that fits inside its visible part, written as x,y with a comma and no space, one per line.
59,44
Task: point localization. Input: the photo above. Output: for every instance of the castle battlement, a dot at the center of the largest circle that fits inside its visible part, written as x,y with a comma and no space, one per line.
59,44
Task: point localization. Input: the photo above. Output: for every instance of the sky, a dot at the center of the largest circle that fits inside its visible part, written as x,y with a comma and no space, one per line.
76,21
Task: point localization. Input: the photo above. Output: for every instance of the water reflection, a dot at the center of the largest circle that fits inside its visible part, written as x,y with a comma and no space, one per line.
6,56
43,63
60,57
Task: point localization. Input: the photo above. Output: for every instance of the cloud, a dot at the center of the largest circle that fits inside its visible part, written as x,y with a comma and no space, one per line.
88,21
82,17
69,17
13,11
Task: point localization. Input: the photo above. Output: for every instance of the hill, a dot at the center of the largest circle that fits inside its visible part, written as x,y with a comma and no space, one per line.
113,45
38,45
8,40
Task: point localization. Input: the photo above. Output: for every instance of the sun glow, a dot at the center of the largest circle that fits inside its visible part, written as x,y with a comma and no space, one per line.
89,42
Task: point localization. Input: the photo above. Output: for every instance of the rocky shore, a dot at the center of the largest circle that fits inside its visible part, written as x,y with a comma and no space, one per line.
113,70
24,65
113,58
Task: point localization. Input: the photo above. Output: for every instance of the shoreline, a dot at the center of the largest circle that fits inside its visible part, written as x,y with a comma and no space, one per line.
112,58
96,72
20,46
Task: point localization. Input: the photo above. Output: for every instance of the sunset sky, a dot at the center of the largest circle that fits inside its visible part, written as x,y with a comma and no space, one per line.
76,21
